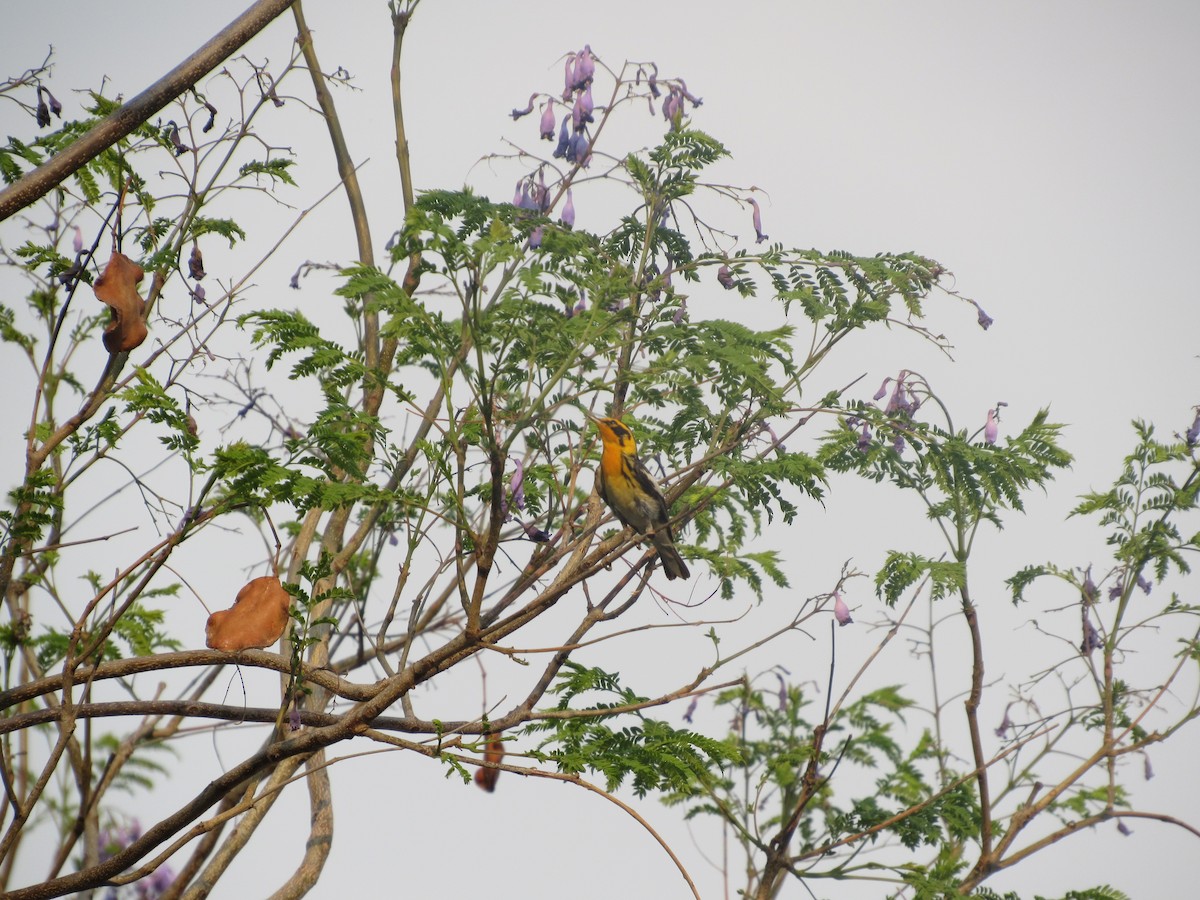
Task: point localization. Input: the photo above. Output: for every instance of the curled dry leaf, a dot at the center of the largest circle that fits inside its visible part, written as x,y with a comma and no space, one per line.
493,752
117,287
256,620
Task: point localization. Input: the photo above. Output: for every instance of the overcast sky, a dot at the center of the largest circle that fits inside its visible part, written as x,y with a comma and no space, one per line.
1045,152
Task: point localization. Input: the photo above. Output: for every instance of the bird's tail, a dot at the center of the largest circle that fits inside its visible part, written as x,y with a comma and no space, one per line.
672,562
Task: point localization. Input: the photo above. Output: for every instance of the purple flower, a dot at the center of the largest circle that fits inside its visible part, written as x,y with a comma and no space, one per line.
1115,591
535,238
691,710
162,879
1123,828
672,108
43,111
568,76
725,277
581,112
564,138
898,443
517,113
864,438
198,294
173,136
985,321
695,101
196,263
568,210
78,243
1193,433
1144,584
1147,771
517,484
1005,723
841,611
294,717
534,533
578,150
55,106
652,80
585,67
882,389
1089,587
992,429
681,313
1091,638
759,236
547,124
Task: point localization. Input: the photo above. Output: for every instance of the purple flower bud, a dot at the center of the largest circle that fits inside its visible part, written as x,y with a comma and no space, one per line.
78,242
1193,433
691,710
759,236
1144,584
547,124
568,211
841,611
1147,771
294,718
564,138
518,113
1123,828
985,321
992,429
725,277
864,438
652,80
882,389
43,112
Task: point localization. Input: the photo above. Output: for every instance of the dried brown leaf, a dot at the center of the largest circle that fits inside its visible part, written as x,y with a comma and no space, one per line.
117,287
493,752
256,620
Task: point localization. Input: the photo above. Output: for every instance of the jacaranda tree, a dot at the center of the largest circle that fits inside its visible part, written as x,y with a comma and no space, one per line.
405,452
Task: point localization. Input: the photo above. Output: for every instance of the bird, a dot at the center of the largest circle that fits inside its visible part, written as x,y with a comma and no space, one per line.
633,495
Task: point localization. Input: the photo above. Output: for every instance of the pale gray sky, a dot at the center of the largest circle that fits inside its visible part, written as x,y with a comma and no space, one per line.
1046,153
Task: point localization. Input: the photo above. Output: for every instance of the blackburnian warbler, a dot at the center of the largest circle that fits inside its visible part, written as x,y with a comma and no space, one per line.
633,495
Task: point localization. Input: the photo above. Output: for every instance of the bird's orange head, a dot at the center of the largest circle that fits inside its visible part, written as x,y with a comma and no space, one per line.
615,433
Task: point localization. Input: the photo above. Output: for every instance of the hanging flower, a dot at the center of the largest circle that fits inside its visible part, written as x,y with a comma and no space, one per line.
841,611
